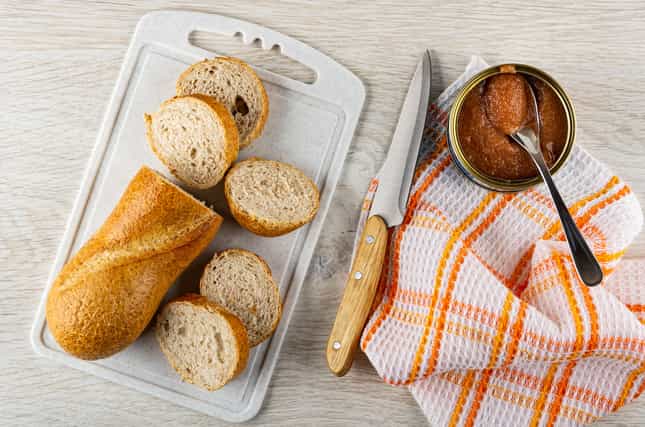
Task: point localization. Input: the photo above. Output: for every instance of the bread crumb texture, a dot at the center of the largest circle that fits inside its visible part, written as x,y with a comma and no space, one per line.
234,84
241,282
270,198
203,342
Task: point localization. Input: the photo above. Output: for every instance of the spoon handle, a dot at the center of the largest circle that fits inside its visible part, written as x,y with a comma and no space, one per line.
586,263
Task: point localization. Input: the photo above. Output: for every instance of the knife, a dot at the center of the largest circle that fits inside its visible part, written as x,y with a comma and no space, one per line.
388,207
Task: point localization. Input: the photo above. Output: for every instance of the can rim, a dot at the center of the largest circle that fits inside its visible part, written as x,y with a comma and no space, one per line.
498,184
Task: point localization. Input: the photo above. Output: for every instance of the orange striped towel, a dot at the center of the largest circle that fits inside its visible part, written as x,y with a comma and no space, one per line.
482,315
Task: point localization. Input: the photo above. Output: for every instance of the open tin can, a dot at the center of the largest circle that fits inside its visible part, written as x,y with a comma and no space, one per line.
495,183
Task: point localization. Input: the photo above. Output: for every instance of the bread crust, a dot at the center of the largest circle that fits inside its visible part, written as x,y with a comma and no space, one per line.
239,333
104,297
264,114
264,226
221,113
267,269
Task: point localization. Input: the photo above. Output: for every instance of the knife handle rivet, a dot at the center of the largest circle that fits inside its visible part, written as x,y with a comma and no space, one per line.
370,239
336,345
358,275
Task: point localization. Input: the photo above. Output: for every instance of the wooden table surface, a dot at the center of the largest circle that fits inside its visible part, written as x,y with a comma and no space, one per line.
59,62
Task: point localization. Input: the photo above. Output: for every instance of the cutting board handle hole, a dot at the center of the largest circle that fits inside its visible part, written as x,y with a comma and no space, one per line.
256,53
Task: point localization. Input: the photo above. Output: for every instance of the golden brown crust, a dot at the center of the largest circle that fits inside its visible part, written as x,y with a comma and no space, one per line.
266,268
264,114
263,226
107,293
239,334
231,135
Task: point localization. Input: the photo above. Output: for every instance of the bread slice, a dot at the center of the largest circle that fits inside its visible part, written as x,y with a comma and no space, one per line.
195,137
203,342
241,282
270,198
233,83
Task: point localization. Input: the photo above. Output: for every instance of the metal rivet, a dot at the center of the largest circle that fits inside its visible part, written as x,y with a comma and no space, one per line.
336,345
358,275
370,239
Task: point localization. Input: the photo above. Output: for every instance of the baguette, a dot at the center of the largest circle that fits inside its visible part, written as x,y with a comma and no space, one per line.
241,282
107,293
195,137
203,342
233,83
270,198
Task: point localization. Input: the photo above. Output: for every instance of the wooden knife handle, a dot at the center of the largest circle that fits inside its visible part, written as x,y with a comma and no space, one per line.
358,297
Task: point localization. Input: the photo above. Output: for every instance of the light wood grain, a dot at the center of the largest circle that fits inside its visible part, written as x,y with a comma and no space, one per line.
358,296
58,65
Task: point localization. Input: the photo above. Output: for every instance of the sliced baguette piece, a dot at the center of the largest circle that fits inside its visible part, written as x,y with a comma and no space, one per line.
203,342
108,292
233,83
195,137
270,198
241,282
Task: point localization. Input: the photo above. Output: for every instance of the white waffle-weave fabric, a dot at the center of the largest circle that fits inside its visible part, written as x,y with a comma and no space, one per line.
480,312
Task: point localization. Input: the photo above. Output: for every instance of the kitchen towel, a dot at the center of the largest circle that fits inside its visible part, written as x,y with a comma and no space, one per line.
480,312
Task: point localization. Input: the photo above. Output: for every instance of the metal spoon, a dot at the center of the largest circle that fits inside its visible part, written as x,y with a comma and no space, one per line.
586,263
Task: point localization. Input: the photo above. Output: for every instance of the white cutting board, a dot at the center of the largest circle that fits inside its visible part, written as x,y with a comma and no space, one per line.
310,126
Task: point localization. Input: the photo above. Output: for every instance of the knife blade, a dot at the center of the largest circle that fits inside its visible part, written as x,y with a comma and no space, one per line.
388,209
